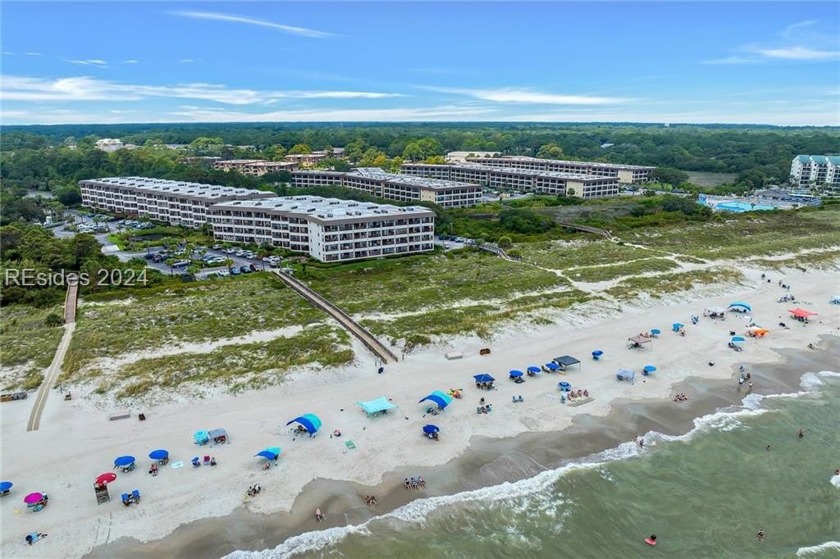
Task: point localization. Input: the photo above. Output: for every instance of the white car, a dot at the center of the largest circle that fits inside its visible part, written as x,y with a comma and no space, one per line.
223,273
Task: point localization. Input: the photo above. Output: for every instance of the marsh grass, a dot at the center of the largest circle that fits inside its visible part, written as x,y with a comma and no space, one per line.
236,366
193,312
26,342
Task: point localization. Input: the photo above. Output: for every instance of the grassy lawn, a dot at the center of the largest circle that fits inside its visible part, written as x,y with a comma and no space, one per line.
613,271
239,367
657,286
26,340
561,256
189,312
738,236
424,282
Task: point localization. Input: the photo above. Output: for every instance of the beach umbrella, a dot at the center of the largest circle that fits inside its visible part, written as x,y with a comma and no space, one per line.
564,386
123,461
738,339
516,374
270,453
649,368
801,313
534,369
5,486
105,479
655,331
201,437
442,400
429,429
740,306
33,498
483,377
552,366
676,326
159,454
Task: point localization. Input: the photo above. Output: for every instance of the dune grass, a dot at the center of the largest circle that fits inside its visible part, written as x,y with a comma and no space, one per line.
426,282
27,344
594,274
190,312
657,286
238,367
562,256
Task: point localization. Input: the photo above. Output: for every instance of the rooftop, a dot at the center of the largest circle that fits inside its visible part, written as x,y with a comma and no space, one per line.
376,173
324,208
175,187
568,162
511,170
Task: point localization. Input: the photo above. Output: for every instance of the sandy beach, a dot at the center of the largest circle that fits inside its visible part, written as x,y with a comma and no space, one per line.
76,441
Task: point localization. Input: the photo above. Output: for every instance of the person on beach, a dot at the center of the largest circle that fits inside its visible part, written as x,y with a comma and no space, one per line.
750,385
760,535
640,441
319,516
801,433
407,483
420,481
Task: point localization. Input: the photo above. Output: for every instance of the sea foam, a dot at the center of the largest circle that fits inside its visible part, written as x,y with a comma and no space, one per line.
805,551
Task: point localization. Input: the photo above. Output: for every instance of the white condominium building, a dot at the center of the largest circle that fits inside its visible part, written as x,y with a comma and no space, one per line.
176,203
253,167
540,182
329,229
376,182
626,174
816,170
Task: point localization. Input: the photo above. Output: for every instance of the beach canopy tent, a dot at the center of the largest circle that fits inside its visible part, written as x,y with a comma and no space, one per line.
637,341
218,436
533,370
625,374
515,374
123,461
740,306
715,310
835,300
566,361
677,326
442,400
5,486
105,479
270,453
309,421
431,429
483,377
801,313
379,405
201,437
159,454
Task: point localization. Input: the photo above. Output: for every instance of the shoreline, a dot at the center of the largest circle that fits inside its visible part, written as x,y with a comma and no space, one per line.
479,466
204,508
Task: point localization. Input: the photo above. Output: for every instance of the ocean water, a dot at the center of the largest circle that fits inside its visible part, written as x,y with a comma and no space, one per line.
704,494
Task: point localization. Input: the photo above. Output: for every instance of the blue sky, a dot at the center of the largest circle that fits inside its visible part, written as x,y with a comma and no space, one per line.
701,62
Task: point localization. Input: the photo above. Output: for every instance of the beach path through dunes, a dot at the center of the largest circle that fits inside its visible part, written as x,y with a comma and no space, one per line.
54,369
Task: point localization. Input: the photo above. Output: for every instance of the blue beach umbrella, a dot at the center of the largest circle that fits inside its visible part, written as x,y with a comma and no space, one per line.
159,454
483,377
597,353
201,437
310,422
655,331
123,461
564,386
552,366
429,429
649,368
516,374
270,453
442,400
738,339
676,326
534,369
5,486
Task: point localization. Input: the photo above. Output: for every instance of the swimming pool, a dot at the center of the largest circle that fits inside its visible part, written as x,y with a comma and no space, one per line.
739,207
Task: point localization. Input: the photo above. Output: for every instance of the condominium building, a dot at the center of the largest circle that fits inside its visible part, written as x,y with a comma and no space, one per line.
328,229
626,174
254,167
176,203
540,182
109,144
815,170
376,182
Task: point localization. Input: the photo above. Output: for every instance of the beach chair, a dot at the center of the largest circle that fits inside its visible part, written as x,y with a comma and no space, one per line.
207,460
126,499
136,495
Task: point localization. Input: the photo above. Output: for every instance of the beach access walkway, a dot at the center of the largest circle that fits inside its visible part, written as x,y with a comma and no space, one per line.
369,340
52,372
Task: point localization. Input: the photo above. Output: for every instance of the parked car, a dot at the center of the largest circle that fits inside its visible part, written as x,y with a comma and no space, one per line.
234,271
149,255
217,246
180,263
223,273
245,269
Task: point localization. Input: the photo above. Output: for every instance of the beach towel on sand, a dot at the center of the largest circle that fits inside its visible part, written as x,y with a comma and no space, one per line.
350,445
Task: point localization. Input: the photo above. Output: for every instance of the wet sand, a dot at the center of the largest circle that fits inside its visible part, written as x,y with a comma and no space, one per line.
486,463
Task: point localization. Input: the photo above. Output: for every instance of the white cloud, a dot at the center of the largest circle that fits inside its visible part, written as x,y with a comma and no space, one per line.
527,96
130,61
90,62
7,53
214,16
32,53
803,41
186,61
83,88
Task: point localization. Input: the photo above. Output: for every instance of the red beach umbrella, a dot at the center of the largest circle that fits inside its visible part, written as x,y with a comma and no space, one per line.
105,479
